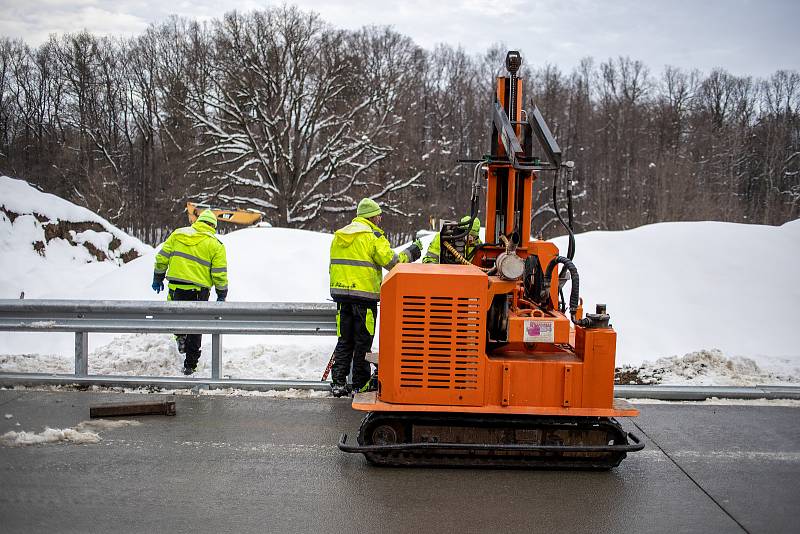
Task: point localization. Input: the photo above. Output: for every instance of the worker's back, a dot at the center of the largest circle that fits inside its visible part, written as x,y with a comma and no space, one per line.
355,271
194,255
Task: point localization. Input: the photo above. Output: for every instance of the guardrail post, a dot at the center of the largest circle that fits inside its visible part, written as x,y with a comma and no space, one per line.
216,352
81,353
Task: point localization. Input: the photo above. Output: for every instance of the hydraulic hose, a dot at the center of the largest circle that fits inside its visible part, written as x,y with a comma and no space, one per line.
574,295
570,216
473,209
568,227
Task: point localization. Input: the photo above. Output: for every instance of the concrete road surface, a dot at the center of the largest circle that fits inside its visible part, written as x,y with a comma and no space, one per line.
256,464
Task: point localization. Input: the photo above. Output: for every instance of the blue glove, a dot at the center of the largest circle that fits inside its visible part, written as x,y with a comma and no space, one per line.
158,283
222,294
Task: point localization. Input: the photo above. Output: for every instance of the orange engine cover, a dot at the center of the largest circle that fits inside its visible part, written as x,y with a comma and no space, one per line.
433,334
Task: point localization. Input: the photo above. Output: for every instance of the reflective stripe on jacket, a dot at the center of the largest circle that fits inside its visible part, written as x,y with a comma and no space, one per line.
434,250
359,251
193,256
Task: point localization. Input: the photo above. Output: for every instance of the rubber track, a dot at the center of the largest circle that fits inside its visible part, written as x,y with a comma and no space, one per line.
483,458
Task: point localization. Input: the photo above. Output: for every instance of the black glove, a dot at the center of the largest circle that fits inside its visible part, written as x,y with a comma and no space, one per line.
414,251
221,295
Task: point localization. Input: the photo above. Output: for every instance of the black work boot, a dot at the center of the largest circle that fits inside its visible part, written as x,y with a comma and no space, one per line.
190,364
339,389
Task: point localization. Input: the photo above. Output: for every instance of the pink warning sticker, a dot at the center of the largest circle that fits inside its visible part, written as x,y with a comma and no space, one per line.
538,331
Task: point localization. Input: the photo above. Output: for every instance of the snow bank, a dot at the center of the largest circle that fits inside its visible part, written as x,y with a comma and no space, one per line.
275,357
50,244
48,435
706,368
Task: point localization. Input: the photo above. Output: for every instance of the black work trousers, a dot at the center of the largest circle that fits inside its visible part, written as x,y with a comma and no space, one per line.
355,341
193,341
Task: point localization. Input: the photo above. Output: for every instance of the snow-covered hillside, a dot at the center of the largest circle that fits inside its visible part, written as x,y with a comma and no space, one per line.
50,245
697,303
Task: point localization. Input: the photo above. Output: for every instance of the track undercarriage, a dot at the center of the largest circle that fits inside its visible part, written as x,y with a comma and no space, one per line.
464,440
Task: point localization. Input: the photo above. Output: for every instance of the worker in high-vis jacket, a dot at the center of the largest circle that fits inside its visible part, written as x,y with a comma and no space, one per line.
359,253
473,240
192,259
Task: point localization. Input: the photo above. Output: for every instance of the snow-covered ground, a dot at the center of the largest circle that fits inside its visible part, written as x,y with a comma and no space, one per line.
84,432
702,303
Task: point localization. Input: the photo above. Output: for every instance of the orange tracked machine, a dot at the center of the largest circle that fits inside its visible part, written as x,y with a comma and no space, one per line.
481,360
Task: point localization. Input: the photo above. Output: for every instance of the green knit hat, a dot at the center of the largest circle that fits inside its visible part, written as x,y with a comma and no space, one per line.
476,225
368,208
208,217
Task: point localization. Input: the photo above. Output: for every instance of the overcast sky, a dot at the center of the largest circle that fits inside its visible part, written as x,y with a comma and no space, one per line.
742,36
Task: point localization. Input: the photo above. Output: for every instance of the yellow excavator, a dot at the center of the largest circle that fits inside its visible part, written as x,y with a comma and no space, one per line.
240,217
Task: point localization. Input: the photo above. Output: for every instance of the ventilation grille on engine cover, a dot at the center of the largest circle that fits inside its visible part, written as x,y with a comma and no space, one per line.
440,340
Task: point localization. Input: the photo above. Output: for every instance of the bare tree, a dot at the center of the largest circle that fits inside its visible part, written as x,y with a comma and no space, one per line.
774,182
299,114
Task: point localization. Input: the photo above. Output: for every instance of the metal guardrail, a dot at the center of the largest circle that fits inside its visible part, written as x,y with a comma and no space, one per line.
215,318
700,393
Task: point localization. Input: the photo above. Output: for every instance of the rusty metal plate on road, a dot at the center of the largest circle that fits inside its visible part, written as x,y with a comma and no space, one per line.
133,408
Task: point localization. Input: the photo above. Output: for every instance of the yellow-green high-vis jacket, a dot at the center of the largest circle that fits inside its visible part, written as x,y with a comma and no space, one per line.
359,252
193,257
434,249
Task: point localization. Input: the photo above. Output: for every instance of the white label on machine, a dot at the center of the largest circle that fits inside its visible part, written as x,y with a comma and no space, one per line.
539,331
